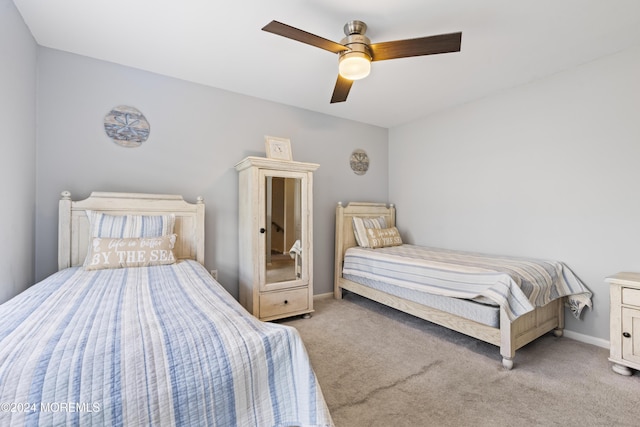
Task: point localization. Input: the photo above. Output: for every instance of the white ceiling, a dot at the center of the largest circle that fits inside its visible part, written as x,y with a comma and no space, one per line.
505,43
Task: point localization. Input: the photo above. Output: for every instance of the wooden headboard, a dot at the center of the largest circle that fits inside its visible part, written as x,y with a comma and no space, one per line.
345,238
73,223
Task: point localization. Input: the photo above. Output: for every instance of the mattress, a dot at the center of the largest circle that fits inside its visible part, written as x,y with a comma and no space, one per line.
514,283
163,345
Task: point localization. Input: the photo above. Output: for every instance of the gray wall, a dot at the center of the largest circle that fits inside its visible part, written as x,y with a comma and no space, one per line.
549,170
198,134
18,144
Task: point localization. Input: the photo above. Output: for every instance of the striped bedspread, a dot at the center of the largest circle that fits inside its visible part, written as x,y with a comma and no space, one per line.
163,346
516,284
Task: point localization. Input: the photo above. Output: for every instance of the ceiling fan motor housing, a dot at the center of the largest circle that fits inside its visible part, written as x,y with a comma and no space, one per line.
356,41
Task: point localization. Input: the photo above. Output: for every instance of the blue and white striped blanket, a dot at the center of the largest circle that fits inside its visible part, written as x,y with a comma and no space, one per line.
516,284
164,346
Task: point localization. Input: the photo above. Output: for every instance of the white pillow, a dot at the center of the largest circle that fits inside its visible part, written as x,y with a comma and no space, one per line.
106,225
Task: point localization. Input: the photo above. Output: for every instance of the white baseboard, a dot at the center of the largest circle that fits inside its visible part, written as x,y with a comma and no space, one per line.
587,339
323,296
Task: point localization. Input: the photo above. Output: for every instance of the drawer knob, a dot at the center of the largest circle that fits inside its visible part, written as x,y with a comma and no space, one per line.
287,302
626,334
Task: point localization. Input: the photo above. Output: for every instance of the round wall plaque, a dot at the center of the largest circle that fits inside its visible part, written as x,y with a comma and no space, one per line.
126,126
359,162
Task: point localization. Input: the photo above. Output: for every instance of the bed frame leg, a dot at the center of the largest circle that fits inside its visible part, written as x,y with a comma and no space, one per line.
559,330
507,340
507,362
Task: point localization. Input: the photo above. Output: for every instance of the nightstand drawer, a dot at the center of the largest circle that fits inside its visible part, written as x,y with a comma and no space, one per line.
283,302
631,296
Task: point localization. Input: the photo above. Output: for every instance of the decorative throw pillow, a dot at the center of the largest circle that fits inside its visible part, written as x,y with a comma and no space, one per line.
105,225
360,225
383,237
106,252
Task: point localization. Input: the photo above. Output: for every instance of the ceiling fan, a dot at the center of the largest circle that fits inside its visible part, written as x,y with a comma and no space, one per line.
356,51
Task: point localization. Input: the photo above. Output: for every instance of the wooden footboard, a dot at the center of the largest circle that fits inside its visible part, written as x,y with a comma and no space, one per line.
509,337
528,327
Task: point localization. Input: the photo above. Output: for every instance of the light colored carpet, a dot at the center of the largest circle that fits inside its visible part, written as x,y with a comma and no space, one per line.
379,367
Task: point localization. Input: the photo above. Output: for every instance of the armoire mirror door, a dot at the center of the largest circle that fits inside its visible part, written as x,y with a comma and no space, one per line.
283,240
283,237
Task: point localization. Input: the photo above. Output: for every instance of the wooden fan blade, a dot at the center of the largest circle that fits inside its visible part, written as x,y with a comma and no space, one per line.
430,45
341,91
293,33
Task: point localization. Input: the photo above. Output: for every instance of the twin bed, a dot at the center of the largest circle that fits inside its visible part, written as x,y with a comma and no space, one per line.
505,301
137,335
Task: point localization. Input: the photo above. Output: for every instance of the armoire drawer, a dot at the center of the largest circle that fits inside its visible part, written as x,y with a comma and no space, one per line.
283,302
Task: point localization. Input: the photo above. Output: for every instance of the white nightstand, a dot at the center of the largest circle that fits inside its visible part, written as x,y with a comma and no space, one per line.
625,322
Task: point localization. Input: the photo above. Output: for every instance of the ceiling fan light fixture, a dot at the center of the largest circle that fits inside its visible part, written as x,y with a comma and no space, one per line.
354,65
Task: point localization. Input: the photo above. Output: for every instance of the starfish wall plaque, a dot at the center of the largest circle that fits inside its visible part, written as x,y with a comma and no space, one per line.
127,126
